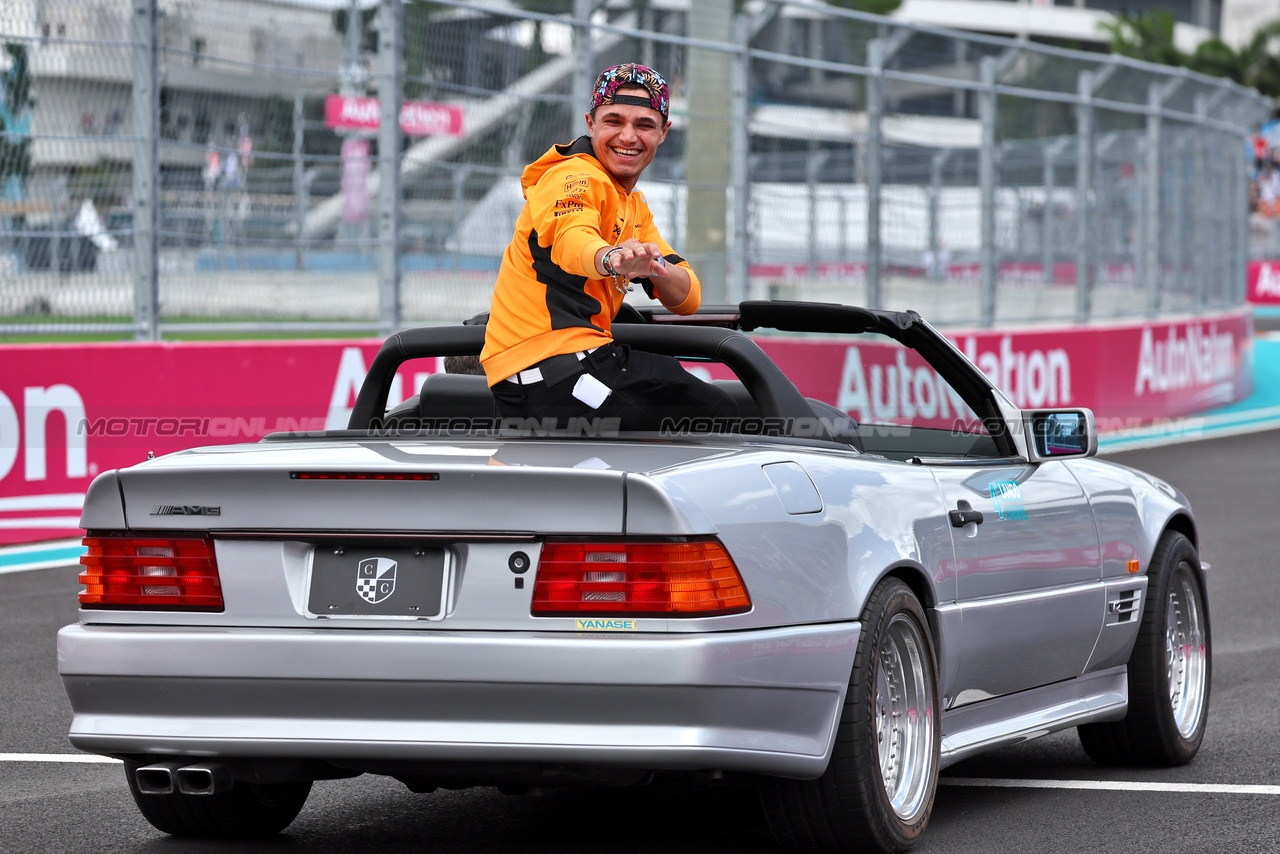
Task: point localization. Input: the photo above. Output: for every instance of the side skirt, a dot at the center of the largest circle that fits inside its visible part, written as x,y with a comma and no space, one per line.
977,727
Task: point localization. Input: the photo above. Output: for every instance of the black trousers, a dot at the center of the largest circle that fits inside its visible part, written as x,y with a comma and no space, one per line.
645,389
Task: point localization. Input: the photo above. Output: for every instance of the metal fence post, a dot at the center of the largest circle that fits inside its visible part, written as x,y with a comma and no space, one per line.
1048,249
1227,197
739,158
872,163
146,172
987,192
1157,95
390,61
584,57
1241,248
299,180
458,179
745,29
1203,188
1150,259
937,164
1084,189
1178,251
813,167
709,136
879,52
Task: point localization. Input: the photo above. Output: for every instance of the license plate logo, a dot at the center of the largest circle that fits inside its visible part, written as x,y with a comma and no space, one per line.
376,579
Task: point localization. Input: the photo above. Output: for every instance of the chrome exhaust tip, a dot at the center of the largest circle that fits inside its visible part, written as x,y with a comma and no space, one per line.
203,779
156,779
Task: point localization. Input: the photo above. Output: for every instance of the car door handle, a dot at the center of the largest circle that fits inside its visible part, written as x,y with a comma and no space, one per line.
960,518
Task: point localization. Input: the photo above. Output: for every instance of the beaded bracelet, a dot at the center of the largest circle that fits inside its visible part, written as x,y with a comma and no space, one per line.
619,281
608,264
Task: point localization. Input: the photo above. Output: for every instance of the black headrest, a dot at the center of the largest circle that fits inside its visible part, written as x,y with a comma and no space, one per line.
455,395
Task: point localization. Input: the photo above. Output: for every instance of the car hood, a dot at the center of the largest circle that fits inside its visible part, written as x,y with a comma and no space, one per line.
510,486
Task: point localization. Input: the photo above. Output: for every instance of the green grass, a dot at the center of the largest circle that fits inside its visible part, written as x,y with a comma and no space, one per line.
213,334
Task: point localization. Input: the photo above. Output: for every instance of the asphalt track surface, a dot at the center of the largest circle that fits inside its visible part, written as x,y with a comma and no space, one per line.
1041,796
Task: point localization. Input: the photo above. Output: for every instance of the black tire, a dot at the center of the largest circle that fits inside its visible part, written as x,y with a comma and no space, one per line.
1170,669
245,810
850,808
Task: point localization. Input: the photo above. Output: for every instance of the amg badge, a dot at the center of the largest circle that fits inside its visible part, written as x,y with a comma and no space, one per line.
185,510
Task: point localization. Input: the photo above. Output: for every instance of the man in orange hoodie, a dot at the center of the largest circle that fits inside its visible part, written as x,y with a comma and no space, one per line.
584,235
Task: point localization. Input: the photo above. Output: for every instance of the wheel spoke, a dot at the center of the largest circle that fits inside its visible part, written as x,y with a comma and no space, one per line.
904,716
1185,652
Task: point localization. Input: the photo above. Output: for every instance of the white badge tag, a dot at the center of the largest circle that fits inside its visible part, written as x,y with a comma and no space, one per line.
591,391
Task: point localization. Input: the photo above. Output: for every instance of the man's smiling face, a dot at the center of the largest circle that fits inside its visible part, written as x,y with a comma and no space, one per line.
625,137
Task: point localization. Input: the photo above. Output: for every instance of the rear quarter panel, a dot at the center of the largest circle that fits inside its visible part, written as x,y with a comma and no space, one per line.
816,567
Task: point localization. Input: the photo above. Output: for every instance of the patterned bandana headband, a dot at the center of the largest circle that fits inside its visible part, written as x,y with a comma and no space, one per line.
630,74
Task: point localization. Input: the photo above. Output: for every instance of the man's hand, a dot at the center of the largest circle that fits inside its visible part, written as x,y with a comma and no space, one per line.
632,259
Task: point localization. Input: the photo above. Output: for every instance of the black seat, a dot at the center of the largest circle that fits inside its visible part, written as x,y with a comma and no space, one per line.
444,396
456,396
747,407
840,424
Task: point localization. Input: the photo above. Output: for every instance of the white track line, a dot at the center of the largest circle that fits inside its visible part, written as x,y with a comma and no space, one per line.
972,782
44,564
85,758
1113,786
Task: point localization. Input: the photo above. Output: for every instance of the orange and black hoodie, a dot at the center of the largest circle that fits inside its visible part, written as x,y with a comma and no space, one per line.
548,298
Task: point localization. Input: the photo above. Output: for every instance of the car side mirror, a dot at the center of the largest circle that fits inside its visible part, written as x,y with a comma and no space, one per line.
1056,433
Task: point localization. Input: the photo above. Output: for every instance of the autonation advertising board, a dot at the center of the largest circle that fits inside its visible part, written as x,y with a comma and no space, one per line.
70,411
1264,283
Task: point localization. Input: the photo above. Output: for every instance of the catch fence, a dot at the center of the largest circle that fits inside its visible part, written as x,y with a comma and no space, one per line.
169,165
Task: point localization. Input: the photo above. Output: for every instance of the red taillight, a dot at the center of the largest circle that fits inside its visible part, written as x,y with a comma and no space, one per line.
171,573
680,579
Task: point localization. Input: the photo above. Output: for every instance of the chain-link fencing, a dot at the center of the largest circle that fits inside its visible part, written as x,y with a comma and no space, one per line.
169,165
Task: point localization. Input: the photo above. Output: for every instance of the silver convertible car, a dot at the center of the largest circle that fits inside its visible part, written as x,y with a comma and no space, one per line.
837,603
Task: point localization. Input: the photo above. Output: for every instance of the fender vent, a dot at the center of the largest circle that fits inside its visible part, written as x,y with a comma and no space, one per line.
1122,607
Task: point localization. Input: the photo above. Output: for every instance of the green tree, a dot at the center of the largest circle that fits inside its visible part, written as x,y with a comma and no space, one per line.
1147,36
1257,64
1216,58
875,7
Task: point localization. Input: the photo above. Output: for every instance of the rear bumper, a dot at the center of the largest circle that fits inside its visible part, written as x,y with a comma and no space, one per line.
765,701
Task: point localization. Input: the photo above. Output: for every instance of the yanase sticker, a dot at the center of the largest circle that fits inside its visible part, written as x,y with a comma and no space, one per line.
606,624
1006,500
